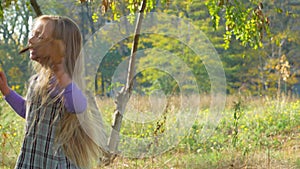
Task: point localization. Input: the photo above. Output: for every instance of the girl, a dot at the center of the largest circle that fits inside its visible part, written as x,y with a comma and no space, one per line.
54,137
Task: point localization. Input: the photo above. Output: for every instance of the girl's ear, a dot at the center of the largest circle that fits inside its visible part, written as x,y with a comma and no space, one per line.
58,51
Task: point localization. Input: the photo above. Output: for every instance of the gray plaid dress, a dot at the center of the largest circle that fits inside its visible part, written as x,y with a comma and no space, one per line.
39,150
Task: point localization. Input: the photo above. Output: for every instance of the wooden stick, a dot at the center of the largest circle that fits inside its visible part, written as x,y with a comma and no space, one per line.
24,49
36,44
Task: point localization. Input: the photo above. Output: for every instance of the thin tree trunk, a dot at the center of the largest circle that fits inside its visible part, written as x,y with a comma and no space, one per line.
124,95
280,76
36,7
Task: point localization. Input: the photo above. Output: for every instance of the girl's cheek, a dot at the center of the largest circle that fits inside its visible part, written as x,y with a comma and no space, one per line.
59,50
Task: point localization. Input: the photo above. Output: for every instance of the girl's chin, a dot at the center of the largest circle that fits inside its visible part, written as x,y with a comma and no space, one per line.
39,60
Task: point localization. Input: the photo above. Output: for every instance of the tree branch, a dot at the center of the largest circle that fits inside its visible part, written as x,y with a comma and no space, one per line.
129,81
36,7
124,95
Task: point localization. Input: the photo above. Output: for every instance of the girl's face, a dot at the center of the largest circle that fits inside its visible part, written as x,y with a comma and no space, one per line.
41,34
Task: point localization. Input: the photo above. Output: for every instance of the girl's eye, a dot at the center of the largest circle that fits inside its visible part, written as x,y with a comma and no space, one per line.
38,36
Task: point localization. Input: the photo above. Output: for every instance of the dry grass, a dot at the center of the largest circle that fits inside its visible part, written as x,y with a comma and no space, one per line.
280,159
192,153
286,156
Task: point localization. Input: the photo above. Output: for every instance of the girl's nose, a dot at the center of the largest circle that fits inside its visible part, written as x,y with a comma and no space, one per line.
30,40
35,39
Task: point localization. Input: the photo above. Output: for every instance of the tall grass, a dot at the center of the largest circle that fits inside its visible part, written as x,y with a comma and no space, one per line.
11,135
251,133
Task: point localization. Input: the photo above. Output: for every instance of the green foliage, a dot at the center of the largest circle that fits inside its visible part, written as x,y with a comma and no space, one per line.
1,12
264,127
214,10
133,6
95,17
247,23
6,4
14,34
248,71
237,113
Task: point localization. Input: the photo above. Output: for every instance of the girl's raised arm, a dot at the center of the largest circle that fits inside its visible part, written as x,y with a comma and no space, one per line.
14,100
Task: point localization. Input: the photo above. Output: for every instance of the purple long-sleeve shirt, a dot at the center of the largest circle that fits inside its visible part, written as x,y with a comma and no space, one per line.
75,101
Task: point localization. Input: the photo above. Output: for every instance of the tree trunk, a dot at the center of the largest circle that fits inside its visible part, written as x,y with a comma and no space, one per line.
124,95
36,8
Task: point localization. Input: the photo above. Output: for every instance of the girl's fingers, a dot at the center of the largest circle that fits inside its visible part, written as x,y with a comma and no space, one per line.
3,80
2,76
3,84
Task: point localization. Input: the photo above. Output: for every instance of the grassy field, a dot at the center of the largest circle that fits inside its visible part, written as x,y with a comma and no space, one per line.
251,133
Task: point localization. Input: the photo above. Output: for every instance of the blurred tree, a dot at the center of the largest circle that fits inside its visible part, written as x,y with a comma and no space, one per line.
14,32
234,20
258,72
281,54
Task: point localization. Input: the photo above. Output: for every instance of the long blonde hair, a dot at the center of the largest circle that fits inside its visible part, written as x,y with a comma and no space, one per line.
77,145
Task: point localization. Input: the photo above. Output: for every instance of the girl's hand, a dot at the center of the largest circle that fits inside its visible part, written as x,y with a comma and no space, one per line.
4,88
